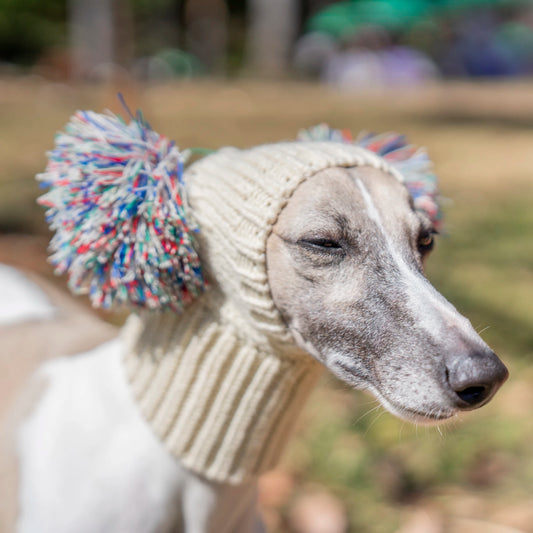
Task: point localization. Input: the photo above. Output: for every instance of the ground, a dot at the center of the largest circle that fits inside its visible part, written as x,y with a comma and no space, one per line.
350,466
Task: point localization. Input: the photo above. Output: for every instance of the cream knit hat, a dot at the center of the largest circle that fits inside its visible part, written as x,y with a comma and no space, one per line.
216,375
222,384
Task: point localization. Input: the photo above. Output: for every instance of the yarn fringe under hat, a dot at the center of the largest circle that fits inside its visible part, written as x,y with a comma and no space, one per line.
222,383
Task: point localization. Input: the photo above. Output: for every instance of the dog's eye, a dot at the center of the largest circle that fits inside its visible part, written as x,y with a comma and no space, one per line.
426,241
321,245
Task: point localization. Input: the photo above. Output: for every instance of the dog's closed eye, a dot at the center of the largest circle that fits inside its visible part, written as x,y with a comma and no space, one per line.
321,244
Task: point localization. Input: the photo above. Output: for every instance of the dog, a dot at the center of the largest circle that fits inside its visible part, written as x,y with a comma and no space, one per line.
167,427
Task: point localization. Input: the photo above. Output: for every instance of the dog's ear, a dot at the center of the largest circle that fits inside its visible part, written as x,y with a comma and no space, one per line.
124,233
412,162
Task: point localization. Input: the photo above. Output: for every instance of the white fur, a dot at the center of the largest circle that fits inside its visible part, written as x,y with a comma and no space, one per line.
125,482
20,299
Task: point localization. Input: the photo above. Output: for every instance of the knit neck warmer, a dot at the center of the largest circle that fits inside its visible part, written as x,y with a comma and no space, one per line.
222,384
222,405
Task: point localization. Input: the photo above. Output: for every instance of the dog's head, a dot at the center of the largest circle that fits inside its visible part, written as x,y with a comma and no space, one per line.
345,264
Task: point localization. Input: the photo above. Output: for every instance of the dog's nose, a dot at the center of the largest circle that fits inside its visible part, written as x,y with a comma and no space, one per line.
474,378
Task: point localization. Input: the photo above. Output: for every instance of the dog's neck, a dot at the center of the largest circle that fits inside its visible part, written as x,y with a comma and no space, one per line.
222,404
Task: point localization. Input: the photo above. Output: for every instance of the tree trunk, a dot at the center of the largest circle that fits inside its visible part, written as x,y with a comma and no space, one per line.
91,37
206,33
272,30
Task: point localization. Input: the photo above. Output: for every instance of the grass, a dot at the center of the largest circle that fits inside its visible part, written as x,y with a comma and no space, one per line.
480,137
486,267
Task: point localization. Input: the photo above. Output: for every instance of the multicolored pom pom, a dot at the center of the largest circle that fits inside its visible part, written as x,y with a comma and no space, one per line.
117,204
323,132
412,162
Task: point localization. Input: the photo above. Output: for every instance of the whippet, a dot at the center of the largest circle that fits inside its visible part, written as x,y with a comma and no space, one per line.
345,269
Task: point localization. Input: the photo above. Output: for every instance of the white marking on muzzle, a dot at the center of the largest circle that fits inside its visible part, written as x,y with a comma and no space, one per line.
432,310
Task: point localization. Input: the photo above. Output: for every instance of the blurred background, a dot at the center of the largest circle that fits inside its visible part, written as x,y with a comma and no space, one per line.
348,44
454,75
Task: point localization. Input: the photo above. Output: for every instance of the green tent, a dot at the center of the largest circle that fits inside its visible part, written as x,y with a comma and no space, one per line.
345,18
460,5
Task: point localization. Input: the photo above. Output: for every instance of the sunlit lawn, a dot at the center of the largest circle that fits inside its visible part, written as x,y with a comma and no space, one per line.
481,139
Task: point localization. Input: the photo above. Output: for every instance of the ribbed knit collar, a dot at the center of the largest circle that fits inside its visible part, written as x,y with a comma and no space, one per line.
222,405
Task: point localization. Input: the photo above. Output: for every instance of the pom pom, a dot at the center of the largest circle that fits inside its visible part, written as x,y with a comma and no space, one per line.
118,207
323,132
412,162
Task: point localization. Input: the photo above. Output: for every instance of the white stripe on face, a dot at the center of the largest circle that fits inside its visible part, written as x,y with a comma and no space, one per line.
432,310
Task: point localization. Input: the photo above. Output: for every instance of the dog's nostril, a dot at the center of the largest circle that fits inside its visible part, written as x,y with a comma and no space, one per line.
473,395
474,378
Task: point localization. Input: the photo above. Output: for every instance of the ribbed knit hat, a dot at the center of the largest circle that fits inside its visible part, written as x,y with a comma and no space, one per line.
222,384
236,197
